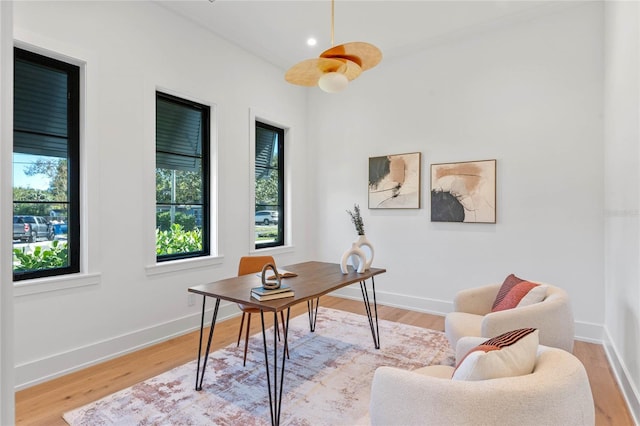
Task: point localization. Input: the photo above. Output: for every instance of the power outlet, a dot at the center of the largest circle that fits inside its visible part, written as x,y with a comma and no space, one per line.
191,299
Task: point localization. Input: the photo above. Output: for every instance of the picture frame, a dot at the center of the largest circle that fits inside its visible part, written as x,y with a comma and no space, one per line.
394,181
464,192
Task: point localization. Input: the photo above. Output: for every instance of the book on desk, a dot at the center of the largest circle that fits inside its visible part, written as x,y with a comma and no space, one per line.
281,272
263,294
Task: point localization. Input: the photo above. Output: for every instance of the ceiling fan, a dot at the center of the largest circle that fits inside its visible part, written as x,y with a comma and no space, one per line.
336,66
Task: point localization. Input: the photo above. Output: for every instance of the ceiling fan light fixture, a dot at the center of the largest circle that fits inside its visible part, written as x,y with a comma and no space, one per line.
336,66
333,82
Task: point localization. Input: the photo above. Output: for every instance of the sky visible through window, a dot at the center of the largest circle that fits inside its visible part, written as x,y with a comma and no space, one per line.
20,180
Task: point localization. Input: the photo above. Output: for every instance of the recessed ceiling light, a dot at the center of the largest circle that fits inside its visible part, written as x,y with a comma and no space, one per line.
311,41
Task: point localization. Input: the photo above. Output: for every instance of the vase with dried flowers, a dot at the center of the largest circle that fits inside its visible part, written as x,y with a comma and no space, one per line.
361,251
356,218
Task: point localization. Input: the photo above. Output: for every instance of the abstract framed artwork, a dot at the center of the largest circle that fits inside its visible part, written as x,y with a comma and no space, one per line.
464,192
394,181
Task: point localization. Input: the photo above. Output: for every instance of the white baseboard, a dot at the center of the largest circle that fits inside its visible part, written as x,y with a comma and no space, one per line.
51,367
584,331
412,303
41,370
589,332
629,390
44,369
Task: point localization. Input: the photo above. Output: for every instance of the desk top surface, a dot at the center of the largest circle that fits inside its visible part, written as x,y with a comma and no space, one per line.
314,280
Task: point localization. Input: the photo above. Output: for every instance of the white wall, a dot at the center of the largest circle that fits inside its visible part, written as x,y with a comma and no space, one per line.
7,400
622,199
527,93
128,49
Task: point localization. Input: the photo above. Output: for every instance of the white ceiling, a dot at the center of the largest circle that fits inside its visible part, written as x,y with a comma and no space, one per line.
277,30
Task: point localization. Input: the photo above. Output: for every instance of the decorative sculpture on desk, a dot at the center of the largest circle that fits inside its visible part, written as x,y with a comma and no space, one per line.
354,253
269,284
362,242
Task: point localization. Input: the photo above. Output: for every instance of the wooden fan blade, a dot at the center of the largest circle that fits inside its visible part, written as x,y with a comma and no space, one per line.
307,73
364,54
348,68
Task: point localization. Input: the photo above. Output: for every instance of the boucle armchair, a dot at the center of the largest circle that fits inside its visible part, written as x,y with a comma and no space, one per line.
472,316
556,393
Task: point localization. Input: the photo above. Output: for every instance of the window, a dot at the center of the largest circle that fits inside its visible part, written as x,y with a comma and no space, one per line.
269,175
182,178
46,167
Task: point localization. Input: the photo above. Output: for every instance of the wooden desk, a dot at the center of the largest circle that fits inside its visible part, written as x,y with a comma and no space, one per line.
314,280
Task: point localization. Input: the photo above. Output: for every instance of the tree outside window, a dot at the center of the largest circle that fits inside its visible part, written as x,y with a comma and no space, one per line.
269,186
182,158
46,157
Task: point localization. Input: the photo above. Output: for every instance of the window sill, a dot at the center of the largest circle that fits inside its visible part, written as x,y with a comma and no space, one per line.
61,282
273,250
183,265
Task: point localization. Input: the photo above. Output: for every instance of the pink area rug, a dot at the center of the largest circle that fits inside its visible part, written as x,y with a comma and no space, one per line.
327,378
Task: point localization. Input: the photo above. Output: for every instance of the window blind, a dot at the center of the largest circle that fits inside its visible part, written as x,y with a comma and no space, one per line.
41,106
178,136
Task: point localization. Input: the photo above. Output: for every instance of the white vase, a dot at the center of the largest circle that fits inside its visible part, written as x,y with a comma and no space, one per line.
357,253
365,245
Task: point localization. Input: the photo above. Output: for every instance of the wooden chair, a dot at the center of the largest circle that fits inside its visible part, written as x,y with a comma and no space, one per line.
252,265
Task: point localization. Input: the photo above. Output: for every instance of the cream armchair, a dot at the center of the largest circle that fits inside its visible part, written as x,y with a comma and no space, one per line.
556,393
472,316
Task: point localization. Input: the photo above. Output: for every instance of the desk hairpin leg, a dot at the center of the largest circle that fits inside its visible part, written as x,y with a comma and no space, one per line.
313,313
199,375
275,397
375,331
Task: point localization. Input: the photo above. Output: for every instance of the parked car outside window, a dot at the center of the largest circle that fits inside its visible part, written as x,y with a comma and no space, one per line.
32,228
266,217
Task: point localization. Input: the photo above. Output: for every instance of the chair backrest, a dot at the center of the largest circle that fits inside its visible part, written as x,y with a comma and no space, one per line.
554,293
253,264
553,317
556,393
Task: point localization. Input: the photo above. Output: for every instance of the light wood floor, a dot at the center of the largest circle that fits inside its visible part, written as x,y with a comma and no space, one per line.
44,404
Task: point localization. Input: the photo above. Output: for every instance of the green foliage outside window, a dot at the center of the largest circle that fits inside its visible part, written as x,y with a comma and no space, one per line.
178,240
41,258
187,221
188,186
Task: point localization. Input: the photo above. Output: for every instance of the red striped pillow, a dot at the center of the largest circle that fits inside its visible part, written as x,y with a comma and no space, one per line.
509,338
507,355
509,282
513,294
